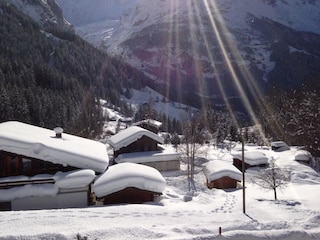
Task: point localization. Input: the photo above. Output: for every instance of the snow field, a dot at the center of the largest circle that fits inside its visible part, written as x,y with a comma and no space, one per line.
296,215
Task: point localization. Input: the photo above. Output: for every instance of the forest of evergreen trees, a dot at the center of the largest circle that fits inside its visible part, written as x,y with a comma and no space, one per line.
50,81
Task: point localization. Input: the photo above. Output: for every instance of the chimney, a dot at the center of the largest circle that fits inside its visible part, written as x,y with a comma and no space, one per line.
58,131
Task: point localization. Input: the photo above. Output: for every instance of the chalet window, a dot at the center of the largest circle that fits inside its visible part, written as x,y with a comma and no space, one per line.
3,166
5,206
26,166
13,165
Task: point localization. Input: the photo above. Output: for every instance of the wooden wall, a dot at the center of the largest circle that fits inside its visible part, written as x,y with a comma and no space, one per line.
222,183
130,195
143,144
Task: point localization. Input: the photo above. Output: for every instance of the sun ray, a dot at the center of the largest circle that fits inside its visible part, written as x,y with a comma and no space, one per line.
216,25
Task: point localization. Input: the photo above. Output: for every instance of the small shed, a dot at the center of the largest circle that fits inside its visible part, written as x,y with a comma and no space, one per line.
251,159
222,175
149,124
303,156
129,183
279,146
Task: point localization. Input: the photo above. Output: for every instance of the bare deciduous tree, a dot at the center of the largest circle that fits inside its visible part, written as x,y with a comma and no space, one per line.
193,135
272,178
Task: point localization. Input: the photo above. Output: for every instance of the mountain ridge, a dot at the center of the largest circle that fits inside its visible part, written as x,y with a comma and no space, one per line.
177,43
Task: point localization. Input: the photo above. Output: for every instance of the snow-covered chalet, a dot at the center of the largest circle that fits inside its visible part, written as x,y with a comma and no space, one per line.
222,175
139,145
43,169
251,159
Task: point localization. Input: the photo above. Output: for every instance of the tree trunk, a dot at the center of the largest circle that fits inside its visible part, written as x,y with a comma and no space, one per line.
275,194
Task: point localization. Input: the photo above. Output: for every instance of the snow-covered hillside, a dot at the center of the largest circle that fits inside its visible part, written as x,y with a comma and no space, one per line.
177,215
159,103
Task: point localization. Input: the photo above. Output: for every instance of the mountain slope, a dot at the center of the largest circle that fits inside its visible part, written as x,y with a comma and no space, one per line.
213,47
51,81
80,12
46,13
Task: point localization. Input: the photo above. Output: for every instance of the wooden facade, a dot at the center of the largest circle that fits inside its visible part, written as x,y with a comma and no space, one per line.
222,183
149,124
17,165
238,164
130,195
143,144
12,164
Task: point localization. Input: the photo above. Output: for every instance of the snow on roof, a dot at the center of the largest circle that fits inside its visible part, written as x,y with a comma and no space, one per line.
251,157
149,156
62,180
151,122
217,169
279,144
41,143
130,135
124,175
302,155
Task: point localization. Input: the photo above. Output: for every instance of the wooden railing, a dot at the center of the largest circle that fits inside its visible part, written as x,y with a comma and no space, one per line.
10,184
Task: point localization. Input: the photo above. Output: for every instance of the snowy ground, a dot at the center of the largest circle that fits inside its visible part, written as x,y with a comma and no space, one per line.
296,215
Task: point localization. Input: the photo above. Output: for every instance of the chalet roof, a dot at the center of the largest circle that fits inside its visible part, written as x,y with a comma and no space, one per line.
151,122
217,169
40,143
279,144
148,156
130,135
124,175
252,158
302,155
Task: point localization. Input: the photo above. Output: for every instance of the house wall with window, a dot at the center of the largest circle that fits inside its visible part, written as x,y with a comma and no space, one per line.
12,164
144,144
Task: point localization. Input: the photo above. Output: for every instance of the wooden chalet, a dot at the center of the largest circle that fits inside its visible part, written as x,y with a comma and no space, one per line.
43,169
129,183
251,159
139,145
149,124
221,175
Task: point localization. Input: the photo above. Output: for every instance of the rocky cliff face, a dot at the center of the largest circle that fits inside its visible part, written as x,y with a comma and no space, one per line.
47,13
83,12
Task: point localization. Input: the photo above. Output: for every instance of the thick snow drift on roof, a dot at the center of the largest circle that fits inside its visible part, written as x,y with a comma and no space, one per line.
150,156
217,169
151,122
130,135
74,179
251,157
34,190
123,175
41,143
279,144
302,155
63,180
